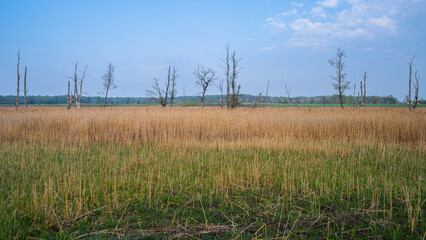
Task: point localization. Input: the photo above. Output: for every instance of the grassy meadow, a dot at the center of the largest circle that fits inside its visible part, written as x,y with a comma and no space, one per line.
183,172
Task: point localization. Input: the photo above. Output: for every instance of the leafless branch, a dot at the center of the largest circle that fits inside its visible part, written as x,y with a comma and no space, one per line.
205,77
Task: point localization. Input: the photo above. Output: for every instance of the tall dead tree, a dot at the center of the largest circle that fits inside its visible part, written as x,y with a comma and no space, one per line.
78,81
69,98
183,100
17,88
25,87
167,88
364,97
416,90
159,95
410,67
340,84
227,67
266,95
75,84
108,81
288,91
83,75
363,91
205,77
353,97
235,87
173,91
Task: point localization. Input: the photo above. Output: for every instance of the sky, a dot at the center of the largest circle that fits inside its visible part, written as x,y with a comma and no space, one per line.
285,42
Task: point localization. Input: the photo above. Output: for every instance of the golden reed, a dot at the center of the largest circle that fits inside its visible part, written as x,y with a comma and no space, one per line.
209,125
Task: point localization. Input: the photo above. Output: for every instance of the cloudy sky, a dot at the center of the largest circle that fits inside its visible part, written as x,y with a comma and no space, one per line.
281,41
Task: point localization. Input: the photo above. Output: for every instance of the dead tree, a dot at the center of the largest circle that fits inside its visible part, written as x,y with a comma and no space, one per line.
173,91
159,95
75,84
78,80
183,100
259,98
364,97
288,91
219,86
69,98
108,81
167,88
340,84
227,67
156,94
266,95
363,91
416,90
357,97
17,88
83,75
410,66
353,97
25,87
205,77
235,88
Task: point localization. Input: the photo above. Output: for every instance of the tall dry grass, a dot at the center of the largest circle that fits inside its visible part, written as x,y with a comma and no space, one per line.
213,125
59,168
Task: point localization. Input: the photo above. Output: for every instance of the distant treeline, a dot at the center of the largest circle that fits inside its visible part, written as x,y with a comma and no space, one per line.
194,100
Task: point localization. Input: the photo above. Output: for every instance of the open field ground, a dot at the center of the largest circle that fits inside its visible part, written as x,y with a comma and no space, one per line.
155,172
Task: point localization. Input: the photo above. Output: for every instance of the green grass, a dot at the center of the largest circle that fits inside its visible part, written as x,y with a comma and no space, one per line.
111,190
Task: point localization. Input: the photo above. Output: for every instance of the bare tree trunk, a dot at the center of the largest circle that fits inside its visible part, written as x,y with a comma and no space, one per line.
221,94
410,65
202,98
17,88
361,102
228,84
68,99
259,98
183,103
364,98
25,87
416,90
167,88
81,87
289,96
357,97
75,85
353,98
106,97
173,85
266,95
234,88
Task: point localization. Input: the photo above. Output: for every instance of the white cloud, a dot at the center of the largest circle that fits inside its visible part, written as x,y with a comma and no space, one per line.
385,23
275,25
297,4
288,13
329,3
329,24
318,12
269,47
318,34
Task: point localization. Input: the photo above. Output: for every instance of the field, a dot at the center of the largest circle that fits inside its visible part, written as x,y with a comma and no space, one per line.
152,172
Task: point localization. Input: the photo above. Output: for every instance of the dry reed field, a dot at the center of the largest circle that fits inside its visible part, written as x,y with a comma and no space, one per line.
152,172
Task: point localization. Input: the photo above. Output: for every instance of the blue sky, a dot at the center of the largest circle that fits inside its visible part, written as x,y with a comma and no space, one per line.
283,41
